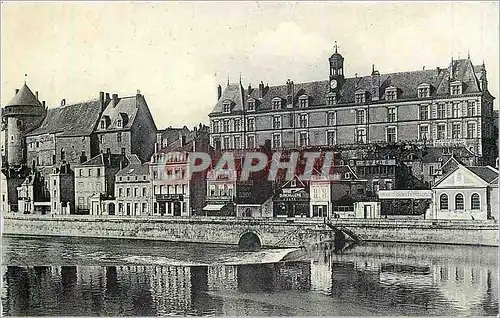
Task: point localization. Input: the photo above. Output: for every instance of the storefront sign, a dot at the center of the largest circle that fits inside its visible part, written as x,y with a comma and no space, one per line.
169,197
405,194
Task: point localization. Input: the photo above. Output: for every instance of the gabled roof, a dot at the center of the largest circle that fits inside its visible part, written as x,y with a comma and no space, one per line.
125,109
24,97
105,159
405,82
134,169
486,173
72,120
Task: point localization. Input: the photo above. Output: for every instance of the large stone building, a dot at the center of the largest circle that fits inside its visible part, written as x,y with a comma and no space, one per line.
448,106
38,139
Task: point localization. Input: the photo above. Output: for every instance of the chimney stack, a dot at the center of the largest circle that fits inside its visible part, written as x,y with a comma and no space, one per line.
63,102
36,94
219,92
249,88
289,91
375,84
115,99
261,89
17,90
43,104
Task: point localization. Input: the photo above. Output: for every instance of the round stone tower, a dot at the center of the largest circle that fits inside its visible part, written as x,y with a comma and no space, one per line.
23,114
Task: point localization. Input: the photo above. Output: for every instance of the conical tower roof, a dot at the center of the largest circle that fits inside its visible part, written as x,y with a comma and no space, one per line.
24,97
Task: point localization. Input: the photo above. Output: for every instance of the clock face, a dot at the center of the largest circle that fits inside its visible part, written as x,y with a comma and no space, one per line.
333,84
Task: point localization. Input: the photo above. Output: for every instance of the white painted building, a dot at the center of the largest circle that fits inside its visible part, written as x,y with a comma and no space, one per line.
469,193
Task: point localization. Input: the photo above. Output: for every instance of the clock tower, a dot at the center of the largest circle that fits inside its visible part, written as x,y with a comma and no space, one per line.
336,71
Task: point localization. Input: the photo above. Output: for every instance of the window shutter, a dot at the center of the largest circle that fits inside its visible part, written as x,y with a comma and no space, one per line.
449,107
434,131
434,111
464,108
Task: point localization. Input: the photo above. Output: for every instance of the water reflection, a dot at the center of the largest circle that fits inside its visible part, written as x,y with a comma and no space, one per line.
374,279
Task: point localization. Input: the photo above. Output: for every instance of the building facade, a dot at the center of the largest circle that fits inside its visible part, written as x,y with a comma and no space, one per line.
448,106
467,193
175,190
133,189
95,184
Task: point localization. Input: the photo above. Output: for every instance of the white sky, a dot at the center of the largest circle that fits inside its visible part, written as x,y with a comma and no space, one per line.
177,53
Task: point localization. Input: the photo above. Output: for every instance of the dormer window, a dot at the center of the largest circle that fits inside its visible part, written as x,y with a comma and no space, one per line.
456,88
391,93
424,90
104,122
303,101
360,97
276,103
122,120
331,99
226,106
251,105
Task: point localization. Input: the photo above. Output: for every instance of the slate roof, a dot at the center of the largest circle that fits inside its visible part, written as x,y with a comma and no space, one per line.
405,82
437,154
24,97
134,170
105,159
72,120
125,109
486,173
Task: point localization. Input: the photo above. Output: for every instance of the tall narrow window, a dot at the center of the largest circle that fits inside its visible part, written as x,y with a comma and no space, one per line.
303,102
119,123
277,122
226,143
331,139
225,127
360,97
423,132
391,114
360,116
331,119
227,107
471,130
471,108
455,110
391,134
63,154
251,106
237,125
303,120
360,136
459,202
441,111
251,124
441,131
251,142
443,202
475,202
455,131
303,139
118,137
237,142
276,141
424,112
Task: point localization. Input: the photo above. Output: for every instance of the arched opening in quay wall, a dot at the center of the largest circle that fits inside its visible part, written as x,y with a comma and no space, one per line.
250,241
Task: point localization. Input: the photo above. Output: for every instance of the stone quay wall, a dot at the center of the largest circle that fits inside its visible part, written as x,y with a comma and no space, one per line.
271,232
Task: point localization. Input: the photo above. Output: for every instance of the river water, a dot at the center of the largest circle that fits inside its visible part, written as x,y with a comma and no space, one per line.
111,277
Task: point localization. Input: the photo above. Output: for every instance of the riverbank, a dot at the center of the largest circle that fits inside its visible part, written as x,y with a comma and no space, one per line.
269,232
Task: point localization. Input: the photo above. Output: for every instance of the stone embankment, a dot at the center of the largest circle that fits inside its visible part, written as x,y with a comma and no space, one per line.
265,232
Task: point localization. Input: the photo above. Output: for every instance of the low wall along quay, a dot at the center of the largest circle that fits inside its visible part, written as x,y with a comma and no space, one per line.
270,232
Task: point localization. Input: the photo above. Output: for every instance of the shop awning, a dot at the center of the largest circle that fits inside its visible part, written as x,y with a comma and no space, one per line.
213,207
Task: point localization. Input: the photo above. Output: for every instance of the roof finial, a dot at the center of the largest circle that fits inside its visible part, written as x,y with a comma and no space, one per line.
227,79
240,78
25,78
335,47
468,54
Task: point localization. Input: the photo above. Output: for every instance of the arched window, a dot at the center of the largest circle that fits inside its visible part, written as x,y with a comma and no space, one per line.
459,202
475,202
443,202
63,154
